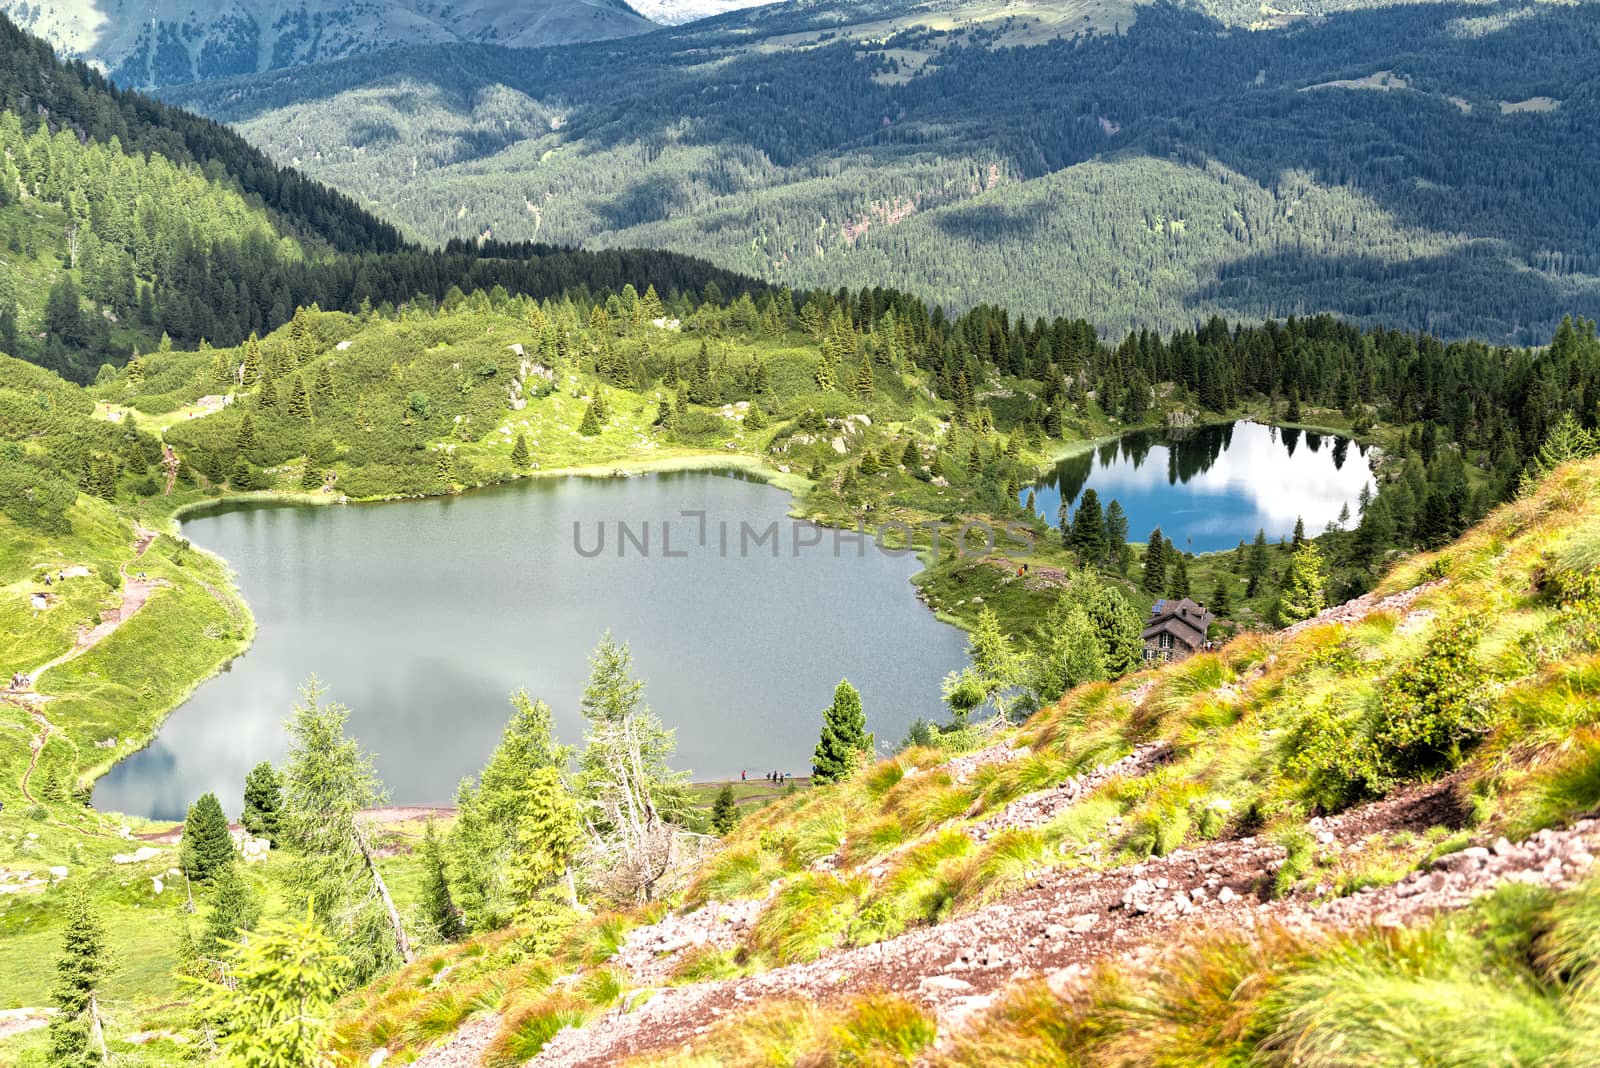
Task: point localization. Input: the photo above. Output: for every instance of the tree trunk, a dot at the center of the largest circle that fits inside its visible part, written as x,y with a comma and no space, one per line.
97,1029
402,943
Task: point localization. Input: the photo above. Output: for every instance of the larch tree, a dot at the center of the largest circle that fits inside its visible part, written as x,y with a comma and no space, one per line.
438,905
1302,596
844,744
277,1004
327,781
631,802
482,844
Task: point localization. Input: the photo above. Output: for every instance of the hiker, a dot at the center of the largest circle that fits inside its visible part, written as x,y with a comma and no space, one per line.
741,776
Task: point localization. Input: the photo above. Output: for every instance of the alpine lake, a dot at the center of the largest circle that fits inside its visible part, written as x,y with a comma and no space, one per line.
424,617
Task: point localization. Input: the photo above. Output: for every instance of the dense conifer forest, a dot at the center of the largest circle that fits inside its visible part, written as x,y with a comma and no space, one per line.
1417,166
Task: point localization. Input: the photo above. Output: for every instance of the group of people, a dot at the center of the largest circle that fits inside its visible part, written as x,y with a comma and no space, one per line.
777,778
20,680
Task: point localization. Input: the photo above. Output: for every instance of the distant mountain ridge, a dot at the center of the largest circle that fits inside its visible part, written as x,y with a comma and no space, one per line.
173,42
1418,165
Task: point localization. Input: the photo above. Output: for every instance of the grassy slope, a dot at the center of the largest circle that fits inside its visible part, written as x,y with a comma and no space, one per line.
1525,756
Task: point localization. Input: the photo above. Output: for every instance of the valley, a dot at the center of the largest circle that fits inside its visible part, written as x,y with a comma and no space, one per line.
945,532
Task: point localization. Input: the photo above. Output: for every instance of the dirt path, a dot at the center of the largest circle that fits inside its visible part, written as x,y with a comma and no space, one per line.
1069,919
136,592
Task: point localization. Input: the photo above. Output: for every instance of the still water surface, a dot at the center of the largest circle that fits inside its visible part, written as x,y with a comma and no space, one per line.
424,616
1208,487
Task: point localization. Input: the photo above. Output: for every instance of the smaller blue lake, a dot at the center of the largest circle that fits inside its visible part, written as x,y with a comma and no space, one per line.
1209,487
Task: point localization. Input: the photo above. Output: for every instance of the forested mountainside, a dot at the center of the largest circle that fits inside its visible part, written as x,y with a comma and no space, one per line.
126,221
170,42
1419,165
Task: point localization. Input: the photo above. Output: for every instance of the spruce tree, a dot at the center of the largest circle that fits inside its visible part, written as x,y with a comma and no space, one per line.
1178,577
843,744
299,400
591,422
438,907
1117,535
1258,564
911,458
755,418
310,475
724,813
1299,533
234,908
75,1038
245,439
1089,528
263,799
207,847
325,383
869,462
1155,564
519,452
1221,603
862,385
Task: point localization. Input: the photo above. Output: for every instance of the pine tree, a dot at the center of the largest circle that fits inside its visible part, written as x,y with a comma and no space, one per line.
755,418
207,846
443,469
234,908
1155,564
310,475
438,907
76,1040
844,743
1302,595
1299,533
263,799
869,462
519,452
724,813
240,476
911,458
591,422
